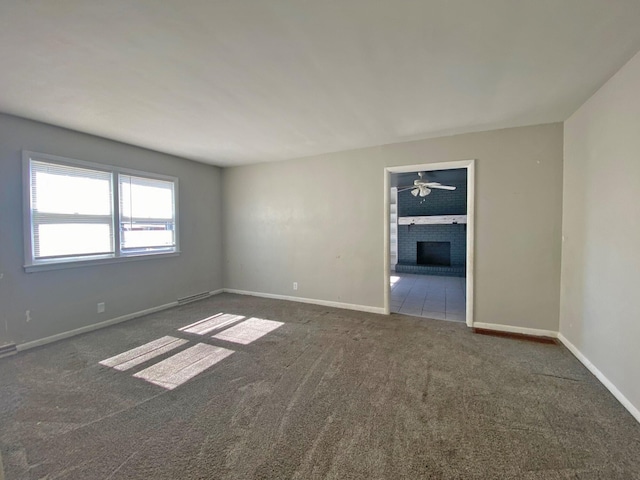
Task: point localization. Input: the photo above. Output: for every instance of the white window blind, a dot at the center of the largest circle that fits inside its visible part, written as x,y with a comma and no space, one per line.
147,214
71,211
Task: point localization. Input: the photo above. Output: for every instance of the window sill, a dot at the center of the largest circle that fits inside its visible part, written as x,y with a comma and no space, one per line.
42,267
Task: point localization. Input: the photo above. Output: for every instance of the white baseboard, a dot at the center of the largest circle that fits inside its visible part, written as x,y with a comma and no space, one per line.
512,329
325,303
92,327
600,376
99,325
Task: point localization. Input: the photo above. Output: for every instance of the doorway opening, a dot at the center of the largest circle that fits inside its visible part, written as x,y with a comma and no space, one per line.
429,232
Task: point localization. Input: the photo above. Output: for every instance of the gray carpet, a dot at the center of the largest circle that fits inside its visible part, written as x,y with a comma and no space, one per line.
330,394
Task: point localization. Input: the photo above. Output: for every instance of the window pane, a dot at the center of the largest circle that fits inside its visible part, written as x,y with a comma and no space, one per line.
140,236
147,215
71,210
72,239
146,198
70,190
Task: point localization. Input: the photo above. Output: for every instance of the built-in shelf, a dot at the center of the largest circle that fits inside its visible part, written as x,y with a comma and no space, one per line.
393,227
432,220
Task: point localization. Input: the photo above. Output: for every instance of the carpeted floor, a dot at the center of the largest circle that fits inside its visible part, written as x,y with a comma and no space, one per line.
329,394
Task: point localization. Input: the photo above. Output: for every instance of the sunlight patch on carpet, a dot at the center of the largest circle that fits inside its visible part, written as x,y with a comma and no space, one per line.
209,324
141,354
248,331
179,368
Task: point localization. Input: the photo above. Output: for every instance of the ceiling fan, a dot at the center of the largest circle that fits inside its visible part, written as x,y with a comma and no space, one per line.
423,187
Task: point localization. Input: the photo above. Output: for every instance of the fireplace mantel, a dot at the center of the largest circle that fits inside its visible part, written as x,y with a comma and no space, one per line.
432,220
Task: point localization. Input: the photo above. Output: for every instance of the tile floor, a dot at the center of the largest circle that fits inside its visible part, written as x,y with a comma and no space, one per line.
430,296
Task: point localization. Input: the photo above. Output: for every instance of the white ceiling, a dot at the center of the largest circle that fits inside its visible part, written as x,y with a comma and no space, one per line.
244,81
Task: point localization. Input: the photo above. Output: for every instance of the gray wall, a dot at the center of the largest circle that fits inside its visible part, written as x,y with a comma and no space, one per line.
62,300
319,221
600,313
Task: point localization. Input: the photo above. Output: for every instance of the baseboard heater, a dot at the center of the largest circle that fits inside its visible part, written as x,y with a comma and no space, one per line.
9,349
193,298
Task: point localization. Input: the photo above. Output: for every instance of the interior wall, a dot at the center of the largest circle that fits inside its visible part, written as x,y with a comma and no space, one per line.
319,221
600,314
63,300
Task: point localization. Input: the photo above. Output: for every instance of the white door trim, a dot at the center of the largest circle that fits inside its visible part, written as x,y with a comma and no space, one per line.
471,181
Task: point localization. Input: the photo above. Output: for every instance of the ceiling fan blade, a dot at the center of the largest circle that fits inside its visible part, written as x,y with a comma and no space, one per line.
403,189
442,187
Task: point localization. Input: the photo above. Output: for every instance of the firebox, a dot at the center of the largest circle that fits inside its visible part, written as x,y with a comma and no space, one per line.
434,253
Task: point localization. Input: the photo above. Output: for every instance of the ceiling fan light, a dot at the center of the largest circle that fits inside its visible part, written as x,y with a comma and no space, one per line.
415,192
424,191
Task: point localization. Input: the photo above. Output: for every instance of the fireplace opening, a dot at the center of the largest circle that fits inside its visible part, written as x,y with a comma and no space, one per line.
434,253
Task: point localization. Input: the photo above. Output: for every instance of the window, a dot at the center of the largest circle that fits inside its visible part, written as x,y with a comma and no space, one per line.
88,213
147,215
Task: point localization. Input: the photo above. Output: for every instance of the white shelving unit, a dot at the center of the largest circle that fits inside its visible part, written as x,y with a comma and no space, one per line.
393,227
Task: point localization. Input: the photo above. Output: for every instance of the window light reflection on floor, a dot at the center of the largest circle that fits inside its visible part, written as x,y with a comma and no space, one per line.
141,354
209,324
248,331
179,368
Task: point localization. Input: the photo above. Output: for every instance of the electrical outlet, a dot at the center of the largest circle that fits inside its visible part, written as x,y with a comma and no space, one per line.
101,307
295,285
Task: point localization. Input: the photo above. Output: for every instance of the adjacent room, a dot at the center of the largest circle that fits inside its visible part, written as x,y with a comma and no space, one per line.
319,240
428,243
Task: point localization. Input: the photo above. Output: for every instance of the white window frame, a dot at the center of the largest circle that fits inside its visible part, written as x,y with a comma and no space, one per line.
33,265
